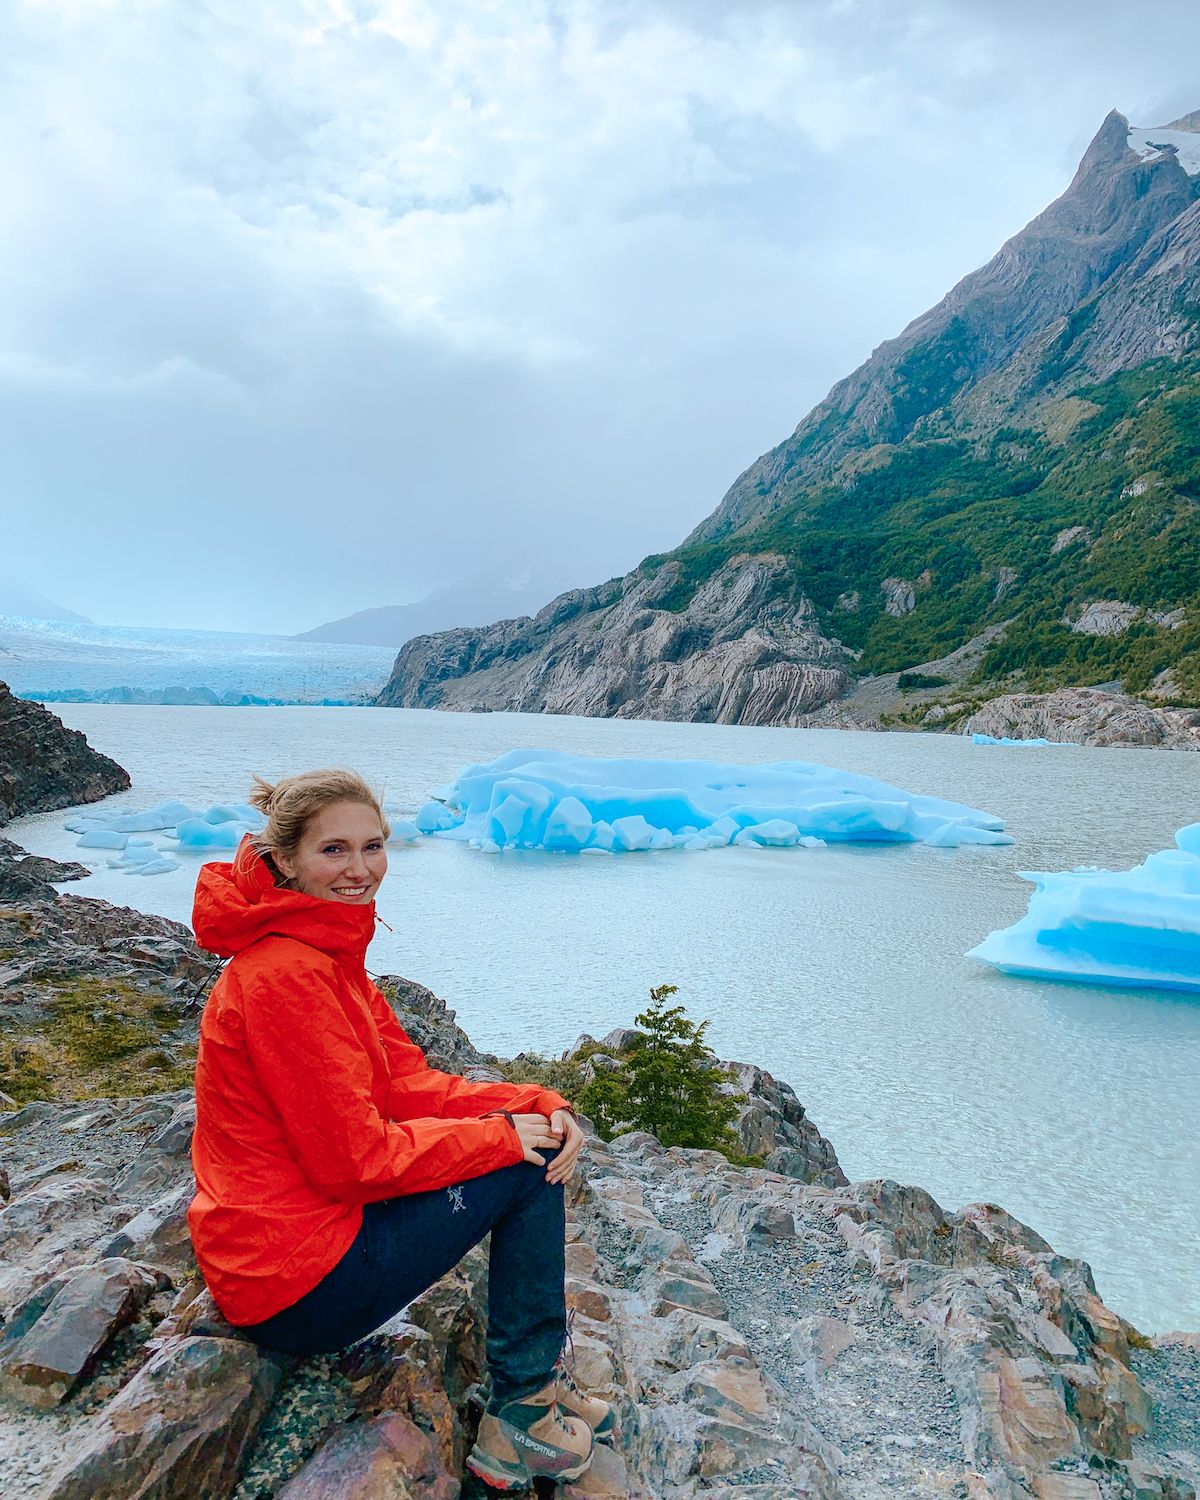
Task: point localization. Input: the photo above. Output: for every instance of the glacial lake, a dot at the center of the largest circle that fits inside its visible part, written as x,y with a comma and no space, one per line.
840,970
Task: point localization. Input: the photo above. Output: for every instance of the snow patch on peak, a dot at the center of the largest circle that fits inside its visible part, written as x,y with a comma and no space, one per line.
1158,142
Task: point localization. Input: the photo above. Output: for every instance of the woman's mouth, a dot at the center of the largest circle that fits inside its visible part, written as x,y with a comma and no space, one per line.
350,890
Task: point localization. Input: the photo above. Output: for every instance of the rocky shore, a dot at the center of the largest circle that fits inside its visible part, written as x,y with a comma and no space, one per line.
764,1332
1088,716
44,765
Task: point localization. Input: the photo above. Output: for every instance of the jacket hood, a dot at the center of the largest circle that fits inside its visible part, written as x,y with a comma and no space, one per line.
238,904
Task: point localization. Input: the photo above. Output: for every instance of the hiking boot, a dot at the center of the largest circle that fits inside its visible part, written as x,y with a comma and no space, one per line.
529,1438
598,1414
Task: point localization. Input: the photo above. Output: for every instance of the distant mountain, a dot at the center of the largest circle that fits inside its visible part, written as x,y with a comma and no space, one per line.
476,601
17,598
1005,497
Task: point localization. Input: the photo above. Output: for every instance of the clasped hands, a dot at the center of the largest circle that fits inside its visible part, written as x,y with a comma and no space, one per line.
539,1134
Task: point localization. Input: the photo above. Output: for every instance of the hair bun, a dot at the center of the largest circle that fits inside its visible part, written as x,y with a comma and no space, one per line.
262,795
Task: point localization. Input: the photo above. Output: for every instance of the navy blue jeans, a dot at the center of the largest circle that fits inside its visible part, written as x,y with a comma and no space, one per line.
406,1244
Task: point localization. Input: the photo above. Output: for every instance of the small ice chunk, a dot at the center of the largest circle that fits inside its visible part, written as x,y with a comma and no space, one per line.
633,833
152,819
1039,744
154,866
404,831
84,824
102,838
436,817
775,833
223,812
135,852
196,833
569,826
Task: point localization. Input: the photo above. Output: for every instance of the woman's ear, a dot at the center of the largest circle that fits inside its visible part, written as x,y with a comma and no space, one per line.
285,866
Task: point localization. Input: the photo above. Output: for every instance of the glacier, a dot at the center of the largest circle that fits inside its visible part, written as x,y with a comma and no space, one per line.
1138,927
547,799
70,661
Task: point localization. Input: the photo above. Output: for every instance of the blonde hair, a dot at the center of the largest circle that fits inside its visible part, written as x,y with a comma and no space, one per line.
291,804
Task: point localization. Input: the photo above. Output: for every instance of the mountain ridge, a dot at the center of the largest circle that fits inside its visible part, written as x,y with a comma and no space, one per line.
1053,393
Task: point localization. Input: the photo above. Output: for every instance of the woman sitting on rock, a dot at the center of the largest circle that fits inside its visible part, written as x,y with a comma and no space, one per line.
337,1176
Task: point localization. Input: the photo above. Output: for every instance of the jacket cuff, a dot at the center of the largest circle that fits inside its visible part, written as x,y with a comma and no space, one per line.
506,1129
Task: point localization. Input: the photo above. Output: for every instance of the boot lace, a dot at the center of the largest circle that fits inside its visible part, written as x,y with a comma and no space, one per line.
565,1363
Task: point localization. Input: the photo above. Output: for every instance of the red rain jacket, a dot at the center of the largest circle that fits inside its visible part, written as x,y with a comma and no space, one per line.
310,1099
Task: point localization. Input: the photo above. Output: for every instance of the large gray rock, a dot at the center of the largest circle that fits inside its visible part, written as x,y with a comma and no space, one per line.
428,1021
772,1123
44,765
387,1457
158,1234
165,1160
181,1427
1087,716
58,1349
50,1227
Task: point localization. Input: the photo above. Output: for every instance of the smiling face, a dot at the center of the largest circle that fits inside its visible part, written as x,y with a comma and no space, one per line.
341,855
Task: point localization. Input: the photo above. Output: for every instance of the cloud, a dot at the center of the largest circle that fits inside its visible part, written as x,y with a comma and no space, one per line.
302,286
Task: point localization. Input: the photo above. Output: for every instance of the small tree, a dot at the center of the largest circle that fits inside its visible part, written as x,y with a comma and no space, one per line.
670,1084
604,1099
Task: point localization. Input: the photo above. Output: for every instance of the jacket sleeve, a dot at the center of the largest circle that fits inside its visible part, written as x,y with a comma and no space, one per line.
418,1089
313,1067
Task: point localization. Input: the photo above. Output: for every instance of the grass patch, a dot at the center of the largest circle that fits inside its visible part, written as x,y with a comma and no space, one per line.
97,1038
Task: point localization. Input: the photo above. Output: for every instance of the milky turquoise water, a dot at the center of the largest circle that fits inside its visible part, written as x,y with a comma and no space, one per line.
840,970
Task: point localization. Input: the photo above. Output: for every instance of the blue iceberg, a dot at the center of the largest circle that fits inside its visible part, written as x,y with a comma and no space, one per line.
153,819
199,833
546,799
990,739
1136,927
219,827
101,838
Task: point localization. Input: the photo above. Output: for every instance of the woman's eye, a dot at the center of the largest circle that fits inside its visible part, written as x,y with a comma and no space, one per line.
332,849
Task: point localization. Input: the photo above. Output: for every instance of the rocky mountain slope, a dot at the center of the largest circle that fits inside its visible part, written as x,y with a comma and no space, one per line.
1021,462
762,1333
44,765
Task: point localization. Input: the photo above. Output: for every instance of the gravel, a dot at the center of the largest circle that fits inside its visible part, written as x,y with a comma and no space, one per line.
882,1402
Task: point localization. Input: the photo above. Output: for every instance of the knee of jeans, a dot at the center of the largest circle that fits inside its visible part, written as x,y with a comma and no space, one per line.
539,1172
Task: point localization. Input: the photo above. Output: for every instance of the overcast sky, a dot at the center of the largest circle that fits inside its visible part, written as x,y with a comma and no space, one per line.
314,306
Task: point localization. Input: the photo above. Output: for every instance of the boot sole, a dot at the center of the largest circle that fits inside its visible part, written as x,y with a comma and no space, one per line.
502,1476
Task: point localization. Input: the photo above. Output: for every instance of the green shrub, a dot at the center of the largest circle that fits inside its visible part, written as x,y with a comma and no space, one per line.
915,682
668,1083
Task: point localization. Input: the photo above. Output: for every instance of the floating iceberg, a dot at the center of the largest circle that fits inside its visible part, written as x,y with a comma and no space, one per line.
101,838
153,819
1129,927
990,739
545,799
199,833
219,827
143,857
